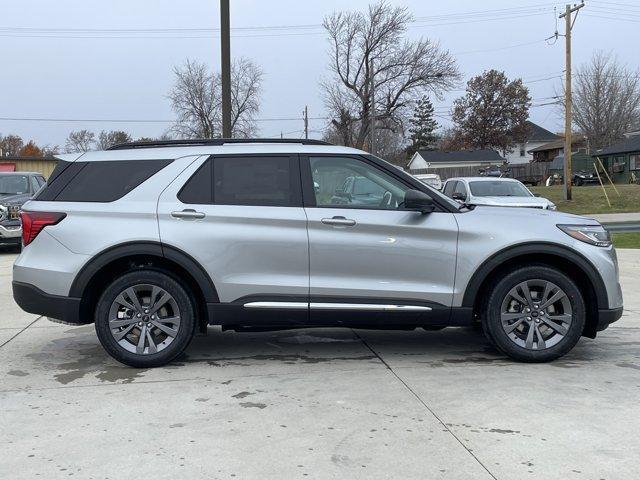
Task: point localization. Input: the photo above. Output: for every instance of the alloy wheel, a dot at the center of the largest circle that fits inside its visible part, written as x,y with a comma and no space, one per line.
536,314
144,319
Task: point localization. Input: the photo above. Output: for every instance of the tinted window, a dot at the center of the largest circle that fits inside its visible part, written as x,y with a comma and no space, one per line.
99,181
266,181
198,188
349,182
61,175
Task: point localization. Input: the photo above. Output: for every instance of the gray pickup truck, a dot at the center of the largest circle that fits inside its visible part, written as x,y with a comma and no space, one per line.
15,189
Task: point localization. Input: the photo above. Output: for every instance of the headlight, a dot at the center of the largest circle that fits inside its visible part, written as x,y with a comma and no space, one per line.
591,234
551,206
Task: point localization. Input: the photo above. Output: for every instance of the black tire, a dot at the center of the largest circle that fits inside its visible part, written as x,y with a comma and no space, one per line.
182,302
499,296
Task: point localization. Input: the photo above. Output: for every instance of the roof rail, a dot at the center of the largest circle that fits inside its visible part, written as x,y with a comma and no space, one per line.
211,142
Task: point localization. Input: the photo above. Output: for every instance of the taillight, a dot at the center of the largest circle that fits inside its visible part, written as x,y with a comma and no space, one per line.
34,222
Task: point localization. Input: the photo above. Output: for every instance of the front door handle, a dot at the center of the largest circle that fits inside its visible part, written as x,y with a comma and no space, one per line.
339,221
188,214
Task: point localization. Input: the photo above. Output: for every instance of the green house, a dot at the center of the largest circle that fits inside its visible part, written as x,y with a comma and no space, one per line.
622,160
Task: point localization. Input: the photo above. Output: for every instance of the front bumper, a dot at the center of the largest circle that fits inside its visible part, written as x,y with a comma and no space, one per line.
11,233
33,300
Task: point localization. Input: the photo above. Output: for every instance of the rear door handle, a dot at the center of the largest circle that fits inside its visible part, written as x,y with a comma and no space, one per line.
339,221
188,214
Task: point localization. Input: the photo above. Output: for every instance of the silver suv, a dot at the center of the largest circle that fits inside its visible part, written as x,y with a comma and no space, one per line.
155,241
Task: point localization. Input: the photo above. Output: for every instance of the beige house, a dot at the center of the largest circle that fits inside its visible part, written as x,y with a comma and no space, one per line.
28,164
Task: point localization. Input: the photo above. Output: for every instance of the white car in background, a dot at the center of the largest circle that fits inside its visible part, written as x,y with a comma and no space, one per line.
496,192
431,179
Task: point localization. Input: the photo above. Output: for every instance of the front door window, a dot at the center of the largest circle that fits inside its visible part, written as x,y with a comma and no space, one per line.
353,183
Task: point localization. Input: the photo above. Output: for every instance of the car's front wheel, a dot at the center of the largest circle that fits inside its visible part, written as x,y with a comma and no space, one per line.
145,319
535,314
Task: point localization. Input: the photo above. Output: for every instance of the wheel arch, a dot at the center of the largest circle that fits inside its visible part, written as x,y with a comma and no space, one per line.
572,263
106,265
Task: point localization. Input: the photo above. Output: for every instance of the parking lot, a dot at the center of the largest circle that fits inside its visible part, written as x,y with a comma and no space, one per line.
330,403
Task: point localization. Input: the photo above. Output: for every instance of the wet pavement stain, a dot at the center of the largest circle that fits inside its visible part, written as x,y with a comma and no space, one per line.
628,365
253,405
289,359
90,359
242,394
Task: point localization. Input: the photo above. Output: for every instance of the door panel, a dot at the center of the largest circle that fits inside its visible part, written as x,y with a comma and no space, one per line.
363,245
246,249
387,254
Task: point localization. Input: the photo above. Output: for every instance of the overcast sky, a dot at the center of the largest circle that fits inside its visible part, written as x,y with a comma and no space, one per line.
102,73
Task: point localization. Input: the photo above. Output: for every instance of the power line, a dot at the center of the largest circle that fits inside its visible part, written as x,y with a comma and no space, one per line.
132,120
246,32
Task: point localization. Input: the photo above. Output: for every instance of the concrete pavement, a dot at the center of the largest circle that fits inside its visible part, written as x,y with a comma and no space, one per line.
330,403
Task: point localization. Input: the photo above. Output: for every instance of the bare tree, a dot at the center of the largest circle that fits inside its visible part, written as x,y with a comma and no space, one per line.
114,137
403,70
80,141
50,150
196,99
606,100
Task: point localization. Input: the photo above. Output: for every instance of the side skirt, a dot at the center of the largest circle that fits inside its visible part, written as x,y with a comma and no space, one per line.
275,313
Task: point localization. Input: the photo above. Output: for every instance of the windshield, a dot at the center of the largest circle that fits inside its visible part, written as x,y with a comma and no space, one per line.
498,189
14,184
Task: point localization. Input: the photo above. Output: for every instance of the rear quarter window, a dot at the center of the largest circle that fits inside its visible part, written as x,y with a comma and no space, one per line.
101,181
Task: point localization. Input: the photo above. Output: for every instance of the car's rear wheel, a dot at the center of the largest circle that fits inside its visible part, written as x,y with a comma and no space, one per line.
145,319
535,314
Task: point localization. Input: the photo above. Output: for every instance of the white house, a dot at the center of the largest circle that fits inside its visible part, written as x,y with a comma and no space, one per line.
430,160
538,136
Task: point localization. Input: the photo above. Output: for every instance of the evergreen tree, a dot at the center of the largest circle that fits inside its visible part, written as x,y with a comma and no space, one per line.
423,127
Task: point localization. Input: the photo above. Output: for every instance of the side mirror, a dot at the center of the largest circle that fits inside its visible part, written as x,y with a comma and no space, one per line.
460,197
418,201
536,194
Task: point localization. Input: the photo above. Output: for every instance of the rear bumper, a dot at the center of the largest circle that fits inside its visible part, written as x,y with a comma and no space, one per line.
33,300
607,317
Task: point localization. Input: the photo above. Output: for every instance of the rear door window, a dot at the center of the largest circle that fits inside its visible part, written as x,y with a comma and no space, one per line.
199,188
256,180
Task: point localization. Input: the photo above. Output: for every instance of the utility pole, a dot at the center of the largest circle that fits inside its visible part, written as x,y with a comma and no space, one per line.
306,122
568,102
372,110
225,42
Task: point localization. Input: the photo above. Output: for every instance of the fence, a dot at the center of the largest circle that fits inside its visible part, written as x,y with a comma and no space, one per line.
530,172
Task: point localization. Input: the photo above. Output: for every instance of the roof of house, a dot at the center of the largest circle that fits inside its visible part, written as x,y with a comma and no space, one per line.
442,156
549,146
539,134
631,144
576,140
